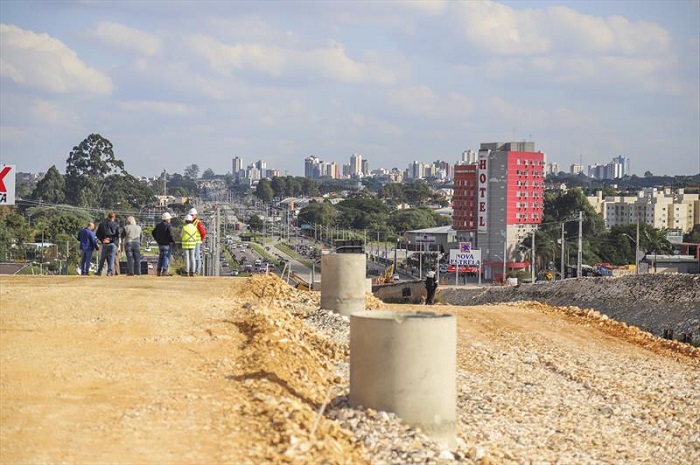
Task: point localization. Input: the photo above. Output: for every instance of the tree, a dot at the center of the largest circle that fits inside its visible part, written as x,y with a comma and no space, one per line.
362,211
14,234
255,223
87,166
51,188
181,186
125,193
192,171
264,191
208,174
279,187
322,213
648,174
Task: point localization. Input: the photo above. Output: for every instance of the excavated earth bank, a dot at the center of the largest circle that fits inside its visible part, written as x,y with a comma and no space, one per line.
653,302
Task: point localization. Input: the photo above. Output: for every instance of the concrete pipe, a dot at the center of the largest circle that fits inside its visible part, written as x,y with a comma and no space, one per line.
406,363
343,282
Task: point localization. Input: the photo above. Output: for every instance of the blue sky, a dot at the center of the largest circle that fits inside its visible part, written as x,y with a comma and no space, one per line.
171,83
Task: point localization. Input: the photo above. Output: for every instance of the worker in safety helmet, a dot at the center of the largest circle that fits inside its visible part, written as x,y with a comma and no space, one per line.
431,285
201,235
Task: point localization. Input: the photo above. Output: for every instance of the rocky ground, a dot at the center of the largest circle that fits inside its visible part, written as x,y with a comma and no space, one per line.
128,370
653,302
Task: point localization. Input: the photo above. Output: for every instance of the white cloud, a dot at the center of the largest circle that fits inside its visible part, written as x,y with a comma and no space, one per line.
159,108
422,101
126,38
42,62
331,62
498,29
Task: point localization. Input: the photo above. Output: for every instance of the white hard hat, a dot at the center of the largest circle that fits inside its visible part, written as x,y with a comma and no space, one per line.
193,211
166,216
189,218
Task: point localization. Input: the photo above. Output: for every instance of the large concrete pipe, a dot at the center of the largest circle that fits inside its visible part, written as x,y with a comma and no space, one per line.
343,282
406,363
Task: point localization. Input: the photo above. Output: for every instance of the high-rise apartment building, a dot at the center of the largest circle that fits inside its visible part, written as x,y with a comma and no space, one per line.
237,170
356,165
506,201
464,206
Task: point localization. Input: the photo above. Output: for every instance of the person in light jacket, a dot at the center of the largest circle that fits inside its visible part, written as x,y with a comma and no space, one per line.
131,238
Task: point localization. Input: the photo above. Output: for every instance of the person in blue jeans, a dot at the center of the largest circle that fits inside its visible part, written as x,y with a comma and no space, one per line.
88,244
163,235
108,235
131,237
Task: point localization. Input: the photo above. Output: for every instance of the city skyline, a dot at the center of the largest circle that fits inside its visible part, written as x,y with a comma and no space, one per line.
394,81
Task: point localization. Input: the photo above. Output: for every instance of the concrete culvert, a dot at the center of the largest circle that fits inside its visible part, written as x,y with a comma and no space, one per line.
406,363
343,283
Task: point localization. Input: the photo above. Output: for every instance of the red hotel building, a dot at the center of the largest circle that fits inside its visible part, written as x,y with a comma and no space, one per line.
499,201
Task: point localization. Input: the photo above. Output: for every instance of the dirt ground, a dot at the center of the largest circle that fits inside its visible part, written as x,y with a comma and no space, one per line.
128,370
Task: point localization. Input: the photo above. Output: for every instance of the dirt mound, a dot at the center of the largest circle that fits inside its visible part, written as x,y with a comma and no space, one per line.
652,302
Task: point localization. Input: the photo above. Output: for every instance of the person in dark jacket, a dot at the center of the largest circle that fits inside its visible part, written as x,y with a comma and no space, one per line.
88,244
431,285
163,235
108,234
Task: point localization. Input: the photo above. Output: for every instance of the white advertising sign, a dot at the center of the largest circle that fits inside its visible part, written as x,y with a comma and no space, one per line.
482,193
7,184
459,258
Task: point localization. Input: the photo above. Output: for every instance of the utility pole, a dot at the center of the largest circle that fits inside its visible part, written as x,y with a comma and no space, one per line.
636,249
532,265
505,251
579,258
563,271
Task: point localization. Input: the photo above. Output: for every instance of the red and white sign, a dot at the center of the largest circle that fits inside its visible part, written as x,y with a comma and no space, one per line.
7,184
482,194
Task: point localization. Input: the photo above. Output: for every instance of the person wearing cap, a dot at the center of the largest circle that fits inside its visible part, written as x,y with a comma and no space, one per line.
201,235
189,241
431,285
163,235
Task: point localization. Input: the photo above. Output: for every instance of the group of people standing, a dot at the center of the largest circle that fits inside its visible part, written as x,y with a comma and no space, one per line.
109,235
193,233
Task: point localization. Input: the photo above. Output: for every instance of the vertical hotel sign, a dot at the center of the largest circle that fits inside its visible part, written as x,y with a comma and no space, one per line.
482,193
7,185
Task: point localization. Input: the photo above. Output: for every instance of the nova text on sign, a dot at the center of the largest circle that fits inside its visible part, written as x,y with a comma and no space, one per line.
459,258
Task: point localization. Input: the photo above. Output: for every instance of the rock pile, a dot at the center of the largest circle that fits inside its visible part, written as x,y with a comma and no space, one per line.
652,302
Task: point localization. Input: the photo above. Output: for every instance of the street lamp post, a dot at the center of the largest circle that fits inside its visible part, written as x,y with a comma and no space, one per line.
636,250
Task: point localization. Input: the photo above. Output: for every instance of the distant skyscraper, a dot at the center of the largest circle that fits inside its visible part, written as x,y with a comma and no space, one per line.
576,168
469,156
237,169
312,167
365,168
356,164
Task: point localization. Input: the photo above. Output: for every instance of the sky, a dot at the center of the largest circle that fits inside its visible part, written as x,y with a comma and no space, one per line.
175,83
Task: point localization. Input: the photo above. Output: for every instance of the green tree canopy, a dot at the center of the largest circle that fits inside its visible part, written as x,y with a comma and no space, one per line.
321,213
264,191
362,211
255,223
51,188
88,164
192,171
